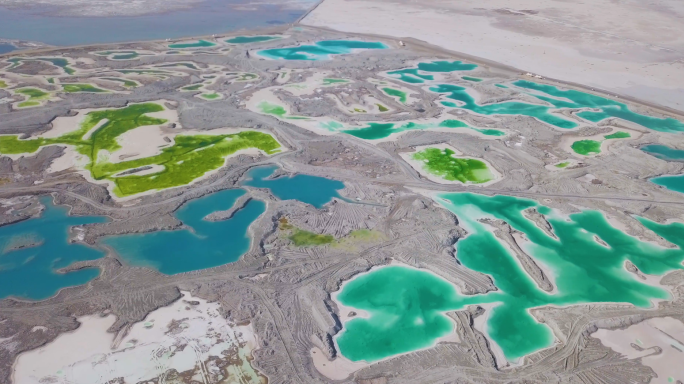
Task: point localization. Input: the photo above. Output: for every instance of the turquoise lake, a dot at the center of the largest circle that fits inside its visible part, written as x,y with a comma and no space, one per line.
308,189
31,251
582,269
194,44
376,131
321,50
664,152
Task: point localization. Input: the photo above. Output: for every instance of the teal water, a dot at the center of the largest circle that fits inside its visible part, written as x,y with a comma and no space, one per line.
308,189
205,244
540,112
414,75
251,39
31,252
376,131
664,152
321,50
608,108
584,271
196,44
673,183
56,61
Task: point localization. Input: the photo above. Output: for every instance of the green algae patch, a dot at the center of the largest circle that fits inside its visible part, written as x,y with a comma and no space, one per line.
194,87
563,164
190,156
618,135
3,84
473,79
302,238
278,111
400,95
211,96
586,147
32,97
442,163
84,88
382,108
407,307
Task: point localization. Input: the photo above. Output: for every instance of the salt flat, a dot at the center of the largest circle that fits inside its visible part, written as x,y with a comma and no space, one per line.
629,47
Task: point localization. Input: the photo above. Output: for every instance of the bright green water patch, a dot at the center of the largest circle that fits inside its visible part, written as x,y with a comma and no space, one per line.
194,44
414,75
473,79
277,110
86,88
251,39
400,95
586,147
3,84
51,80
407,306
26,104
442,163
382,108
30,271
618,135
189,158
664,152
56,61
211,96
608,108
563,164
321,50
126,83
302,238
334,81
34,96
540,112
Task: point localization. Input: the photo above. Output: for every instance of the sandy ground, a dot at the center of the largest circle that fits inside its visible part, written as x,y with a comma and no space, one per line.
629,47
664,332
418,166
181,336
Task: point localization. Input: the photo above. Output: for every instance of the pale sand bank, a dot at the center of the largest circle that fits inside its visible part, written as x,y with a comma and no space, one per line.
592,43
182,336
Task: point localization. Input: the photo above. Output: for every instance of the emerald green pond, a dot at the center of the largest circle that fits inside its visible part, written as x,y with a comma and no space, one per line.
673,183
321,50
407,305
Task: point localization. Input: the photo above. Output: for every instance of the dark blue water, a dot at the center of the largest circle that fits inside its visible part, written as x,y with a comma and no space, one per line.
209,17
313,190
4,48
31,251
